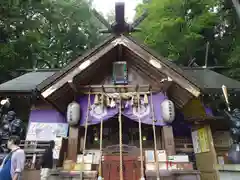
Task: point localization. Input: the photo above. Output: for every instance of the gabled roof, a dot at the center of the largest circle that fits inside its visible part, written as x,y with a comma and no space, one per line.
211,81
25,83
159,64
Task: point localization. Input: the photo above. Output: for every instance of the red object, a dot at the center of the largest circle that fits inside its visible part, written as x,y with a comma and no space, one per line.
131,168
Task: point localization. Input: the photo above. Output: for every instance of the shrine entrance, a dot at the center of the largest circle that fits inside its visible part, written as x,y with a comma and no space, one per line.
131,165
130,134
131,161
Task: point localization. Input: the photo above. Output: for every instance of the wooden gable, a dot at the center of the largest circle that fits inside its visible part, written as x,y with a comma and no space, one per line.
95,68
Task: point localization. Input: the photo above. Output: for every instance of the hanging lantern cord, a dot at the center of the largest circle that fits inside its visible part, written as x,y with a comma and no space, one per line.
120,139
85,133
154,139
101,139
140,137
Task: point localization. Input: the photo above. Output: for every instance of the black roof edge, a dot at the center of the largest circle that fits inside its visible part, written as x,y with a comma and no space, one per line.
219,90
212,68
15,93
39,70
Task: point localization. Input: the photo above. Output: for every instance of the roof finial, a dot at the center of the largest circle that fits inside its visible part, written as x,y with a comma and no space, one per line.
120,26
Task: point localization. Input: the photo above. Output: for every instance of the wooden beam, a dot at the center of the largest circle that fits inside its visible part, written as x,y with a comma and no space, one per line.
168,140
53,104
205,120
72,86
120,53
180,95
73,143
66,89
115,88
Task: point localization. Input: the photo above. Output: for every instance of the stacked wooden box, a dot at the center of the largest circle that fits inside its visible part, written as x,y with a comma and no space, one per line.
86,166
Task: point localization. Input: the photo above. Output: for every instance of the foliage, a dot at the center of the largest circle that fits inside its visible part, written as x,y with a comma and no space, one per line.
45,34
50,33
180,30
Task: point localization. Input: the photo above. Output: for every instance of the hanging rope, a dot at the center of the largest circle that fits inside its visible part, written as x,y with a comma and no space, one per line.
85,133
120,138
155,139
140,137
101,138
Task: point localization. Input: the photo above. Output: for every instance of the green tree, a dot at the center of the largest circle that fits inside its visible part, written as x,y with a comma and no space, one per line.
233,36
45,34
180,29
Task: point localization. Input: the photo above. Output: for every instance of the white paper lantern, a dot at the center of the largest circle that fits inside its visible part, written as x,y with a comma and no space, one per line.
5,102
168,111
73,113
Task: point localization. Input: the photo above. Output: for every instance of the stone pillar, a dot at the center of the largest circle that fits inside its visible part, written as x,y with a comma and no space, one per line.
73,143
168,142
206,158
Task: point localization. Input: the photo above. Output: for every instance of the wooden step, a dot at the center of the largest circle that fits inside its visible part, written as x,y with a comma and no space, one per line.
86,174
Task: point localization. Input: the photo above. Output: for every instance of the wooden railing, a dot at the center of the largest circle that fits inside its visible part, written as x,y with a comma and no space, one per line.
34,151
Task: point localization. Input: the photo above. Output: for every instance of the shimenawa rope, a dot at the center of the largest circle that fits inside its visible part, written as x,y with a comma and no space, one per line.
140,137
120,138
154,139
101,138
85,133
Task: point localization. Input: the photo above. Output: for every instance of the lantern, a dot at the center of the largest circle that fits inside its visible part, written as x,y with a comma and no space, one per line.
168,112
73,113
5,103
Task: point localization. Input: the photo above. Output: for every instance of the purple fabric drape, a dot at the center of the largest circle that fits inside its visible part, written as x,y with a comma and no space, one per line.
208,111
52,116
96,113
146,112
45,125
46,116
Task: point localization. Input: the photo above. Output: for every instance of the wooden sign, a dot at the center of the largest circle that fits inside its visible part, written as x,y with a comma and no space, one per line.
195,140
200,141
203,140
46,131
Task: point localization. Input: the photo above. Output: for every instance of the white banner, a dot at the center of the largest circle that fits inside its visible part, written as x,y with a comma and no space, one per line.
46,131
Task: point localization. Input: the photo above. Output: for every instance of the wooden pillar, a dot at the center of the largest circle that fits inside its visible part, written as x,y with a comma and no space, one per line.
168,140
73,143
81,138
205,153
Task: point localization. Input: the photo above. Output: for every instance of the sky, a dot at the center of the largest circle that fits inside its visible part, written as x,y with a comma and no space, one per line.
106,6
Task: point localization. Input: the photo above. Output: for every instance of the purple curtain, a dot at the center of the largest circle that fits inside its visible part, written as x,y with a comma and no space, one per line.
46,116
146,111
45,125
96,113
